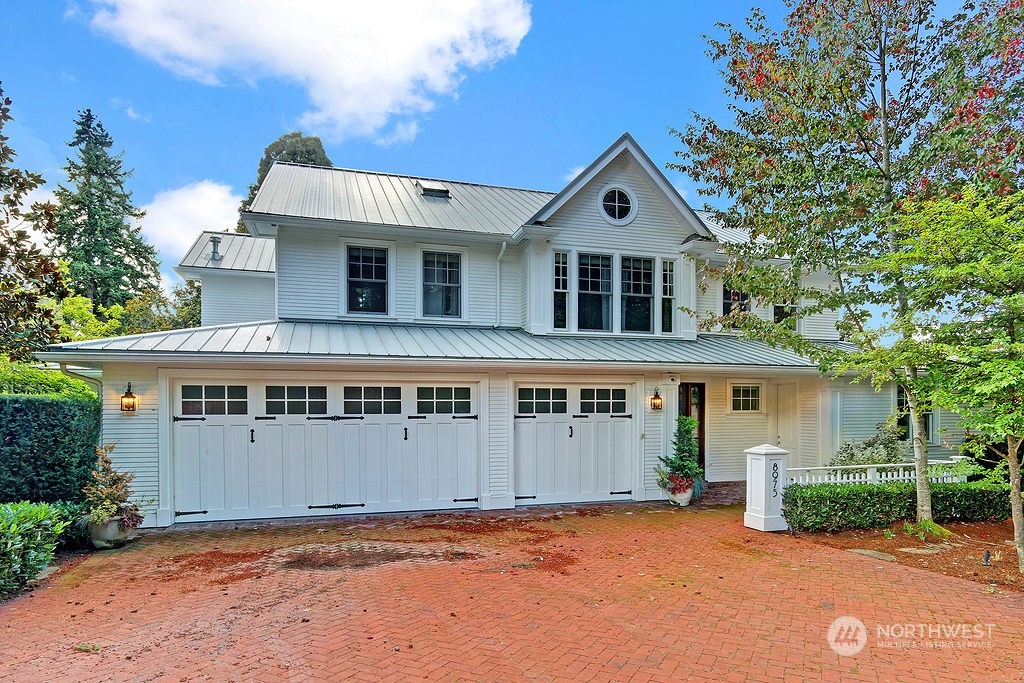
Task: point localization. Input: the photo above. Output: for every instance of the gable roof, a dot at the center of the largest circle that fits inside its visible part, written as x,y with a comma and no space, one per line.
624,145
340,194
238,253
329,342
722,233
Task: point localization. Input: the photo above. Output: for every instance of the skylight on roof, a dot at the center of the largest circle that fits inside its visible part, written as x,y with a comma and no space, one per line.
431,188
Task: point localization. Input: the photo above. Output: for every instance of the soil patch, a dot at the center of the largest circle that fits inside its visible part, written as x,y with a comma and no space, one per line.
360,556
960,554
215,559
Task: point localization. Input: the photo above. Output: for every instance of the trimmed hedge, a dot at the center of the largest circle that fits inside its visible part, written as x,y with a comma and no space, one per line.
47,446
28,534
838,507
31,381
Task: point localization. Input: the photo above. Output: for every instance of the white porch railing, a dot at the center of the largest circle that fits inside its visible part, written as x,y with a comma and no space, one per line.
867,474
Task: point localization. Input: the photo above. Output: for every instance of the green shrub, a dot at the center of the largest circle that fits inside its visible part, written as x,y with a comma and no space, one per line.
76,533
837,507
47,446
17,379
883,448
28,534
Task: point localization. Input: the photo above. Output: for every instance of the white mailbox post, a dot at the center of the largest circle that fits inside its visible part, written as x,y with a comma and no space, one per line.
766,478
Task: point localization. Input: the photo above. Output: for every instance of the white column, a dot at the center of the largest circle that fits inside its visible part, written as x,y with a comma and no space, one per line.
766,479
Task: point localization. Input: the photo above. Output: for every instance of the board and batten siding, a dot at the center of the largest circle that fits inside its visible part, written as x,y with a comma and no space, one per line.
237,299
136,435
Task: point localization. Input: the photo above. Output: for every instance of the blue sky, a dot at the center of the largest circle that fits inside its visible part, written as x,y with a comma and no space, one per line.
490,91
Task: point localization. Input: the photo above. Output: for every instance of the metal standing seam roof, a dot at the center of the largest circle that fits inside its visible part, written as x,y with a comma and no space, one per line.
239,252
722,233
396,342
340,194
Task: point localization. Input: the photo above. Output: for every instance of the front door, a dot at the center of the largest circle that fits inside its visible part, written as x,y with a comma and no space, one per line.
787,434
691,404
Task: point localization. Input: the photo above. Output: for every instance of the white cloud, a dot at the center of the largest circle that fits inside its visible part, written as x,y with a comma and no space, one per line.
175,217
573,172
130,111
369,68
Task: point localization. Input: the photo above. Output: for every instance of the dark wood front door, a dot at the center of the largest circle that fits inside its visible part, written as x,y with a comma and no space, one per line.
692,404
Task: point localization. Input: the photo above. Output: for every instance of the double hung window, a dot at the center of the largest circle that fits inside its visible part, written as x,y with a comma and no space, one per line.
595,293
367,280
442,284
637,294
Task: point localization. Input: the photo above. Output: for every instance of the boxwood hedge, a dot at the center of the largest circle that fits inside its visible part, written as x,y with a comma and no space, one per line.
837,507
28,534
49,430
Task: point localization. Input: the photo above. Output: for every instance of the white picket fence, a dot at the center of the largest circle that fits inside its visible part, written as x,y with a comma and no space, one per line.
866,474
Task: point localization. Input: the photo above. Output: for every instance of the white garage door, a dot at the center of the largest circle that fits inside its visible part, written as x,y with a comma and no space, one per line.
247,451
573,444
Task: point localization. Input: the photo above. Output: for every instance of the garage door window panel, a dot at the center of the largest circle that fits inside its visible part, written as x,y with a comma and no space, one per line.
296,400
602,400
443,400
214,399
542,400
372,400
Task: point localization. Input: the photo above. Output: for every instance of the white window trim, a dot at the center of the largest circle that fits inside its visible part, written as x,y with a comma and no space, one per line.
463,253
572,314
934,439
392,250
747,383
633,206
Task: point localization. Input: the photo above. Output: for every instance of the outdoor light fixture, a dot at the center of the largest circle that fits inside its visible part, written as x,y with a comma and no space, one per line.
657,402
129,401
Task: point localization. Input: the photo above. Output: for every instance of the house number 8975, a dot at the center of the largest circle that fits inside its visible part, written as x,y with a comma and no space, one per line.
775,480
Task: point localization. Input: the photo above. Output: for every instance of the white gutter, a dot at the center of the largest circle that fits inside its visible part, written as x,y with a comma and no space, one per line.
497,289
95,384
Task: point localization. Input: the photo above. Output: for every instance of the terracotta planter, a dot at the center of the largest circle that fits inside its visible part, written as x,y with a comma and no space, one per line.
109,535
681,499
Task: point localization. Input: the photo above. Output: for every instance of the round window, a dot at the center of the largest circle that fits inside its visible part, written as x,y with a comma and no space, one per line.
617,205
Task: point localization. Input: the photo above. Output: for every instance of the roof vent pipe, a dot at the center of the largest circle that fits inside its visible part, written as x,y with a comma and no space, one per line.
215,247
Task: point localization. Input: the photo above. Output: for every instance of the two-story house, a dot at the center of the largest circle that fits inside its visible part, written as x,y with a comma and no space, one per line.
390,343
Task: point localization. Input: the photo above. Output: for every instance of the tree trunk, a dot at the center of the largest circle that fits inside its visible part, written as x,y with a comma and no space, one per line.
920,430
1016,507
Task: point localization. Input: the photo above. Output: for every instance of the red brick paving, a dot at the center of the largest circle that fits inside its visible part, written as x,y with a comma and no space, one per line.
627,592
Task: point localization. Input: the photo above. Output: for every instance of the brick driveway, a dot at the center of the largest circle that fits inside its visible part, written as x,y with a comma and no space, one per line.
637,592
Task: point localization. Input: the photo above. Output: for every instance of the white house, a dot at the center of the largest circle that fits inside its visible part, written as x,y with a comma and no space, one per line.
390,343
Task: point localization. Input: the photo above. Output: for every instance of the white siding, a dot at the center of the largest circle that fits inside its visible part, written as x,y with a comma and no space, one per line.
497,488
728,434
658,428
136,434
237,299
311,276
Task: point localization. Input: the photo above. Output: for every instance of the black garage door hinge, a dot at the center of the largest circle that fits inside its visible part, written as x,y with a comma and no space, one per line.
620,493
188,419
465,500
335,418
525,417
629,416
526,497
336,506
465,417
182,513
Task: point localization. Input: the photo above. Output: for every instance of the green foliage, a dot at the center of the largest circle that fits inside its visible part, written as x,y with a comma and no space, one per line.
80,320
837,507
76,533
28,534
155,312
20,379
882,448
109,493
291,147
47,445
925,528
680,469
108,259
27,276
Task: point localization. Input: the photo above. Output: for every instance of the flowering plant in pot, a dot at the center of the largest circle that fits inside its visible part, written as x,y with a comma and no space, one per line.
112,512
679,473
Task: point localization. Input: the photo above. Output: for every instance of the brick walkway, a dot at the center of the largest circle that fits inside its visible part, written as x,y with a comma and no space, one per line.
628,592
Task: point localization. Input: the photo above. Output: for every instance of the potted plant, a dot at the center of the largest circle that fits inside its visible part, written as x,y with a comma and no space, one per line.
112,512
679,473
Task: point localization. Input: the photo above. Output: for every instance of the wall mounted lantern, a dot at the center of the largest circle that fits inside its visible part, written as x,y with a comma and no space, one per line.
657,402
129,401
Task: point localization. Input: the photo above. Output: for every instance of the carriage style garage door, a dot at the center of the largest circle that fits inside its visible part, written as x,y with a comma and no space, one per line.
573,444
247,451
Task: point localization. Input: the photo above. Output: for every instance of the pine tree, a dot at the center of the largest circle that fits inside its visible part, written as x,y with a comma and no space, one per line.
293,147
109,261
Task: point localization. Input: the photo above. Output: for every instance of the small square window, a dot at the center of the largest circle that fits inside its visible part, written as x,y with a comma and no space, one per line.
746,398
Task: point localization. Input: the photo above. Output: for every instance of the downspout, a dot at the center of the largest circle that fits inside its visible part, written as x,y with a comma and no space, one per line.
497,289
95,384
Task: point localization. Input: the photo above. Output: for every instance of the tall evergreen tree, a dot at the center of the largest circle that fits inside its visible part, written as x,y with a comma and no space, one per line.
109,261
294,147
27,276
